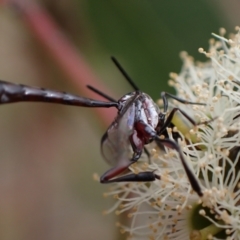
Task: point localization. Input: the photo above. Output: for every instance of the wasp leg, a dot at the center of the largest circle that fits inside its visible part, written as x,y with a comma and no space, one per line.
137,146
140,177
150,132
113,172
170,117
11,92
191,177
109,176
148,154
165,101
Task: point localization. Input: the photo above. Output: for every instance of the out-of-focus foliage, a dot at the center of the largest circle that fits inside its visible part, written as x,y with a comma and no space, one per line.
47,152
147,35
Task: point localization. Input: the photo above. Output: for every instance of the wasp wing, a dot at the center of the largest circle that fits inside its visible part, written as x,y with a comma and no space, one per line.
115,145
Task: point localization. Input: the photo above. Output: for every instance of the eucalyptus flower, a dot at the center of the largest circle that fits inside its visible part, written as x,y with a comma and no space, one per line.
168,208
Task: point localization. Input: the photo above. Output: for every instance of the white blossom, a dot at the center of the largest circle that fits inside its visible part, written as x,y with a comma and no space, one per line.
168,208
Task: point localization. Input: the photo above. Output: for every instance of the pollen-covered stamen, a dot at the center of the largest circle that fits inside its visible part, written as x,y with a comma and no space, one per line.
165,208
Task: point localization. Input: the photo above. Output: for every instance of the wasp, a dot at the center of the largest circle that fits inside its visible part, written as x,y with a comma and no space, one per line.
139,121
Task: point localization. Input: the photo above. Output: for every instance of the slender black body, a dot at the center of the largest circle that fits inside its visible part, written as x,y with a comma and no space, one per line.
138,122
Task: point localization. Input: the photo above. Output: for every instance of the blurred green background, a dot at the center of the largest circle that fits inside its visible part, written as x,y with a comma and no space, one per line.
49,153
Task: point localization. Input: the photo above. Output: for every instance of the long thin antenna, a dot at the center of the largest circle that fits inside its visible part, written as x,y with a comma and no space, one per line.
101,93
130,81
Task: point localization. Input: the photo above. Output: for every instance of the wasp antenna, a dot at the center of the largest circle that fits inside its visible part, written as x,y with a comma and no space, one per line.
101,93
130,81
